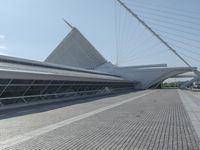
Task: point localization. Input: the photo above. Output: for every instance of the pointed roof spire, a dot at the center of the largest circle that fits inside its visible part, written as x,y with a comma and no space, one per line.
68,24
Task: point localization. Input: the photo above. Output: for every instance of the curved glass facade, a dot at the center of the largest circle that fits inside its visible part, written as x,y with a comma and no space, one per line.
14,91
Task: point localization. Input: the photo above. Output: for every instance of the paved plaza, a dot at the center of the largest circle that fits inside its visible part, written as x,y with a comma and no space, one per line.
151,119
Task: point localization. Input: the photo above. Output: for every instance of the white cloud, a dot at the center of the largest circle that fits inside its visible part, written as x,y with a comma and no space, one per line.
3,53
3,50
2,47
2,36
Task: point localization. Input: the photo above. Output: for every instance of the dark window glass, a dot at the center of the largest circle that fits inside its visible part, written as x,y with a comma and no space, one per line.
35,90
51,90
69,82
65,89
2,88
12,101
14,91
42,81
57,82
75,88
17,81
4,81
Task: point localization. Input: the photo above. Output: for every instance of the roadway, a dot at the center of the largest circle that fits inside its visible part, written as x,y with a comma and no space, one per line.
152,119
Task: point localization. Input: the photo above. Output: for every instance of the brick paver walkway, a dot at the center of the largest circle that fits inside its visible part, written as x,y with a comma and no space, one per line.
158,121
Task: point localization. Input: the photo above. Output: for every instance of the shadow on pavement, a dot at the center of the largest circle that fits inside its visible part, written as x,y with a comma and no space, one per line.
37,108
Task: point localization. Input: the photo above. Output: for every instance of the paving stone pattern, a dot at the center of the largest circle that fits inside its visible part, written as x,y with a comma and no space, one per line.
158,121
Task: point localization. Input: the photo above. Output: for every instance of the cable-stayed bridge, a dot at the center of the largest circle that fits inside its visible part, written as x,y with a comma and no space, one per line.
154,33
178,28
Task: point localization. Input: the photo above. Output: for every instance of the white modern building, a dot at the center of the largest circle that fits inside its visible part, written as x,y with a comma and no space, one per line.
77,49
74,69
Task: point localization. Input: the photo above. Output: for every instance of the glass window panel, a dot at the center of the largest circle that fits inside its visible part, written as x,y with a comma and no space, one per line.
17,81
33,99
35,90
51,90
2,88
14,91
42,82
81,88
16,88
75,87
4,81
68,82
66,89
12,101
57,82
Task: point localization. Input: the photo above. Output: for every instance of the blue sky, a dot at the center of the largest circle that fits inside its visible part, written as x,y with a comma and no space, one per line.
33,28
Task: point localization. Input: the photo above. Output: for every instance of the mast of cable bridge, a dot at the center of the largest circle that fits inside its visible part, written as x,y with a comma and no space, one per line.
68,23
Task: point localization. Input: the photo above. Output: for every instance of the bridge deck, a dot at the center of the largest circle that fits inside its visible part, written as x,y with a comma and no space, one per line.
141,120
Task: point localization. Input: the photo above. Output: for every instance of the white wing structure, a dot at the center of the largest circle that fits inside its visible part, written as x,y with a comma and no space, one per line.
76,51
